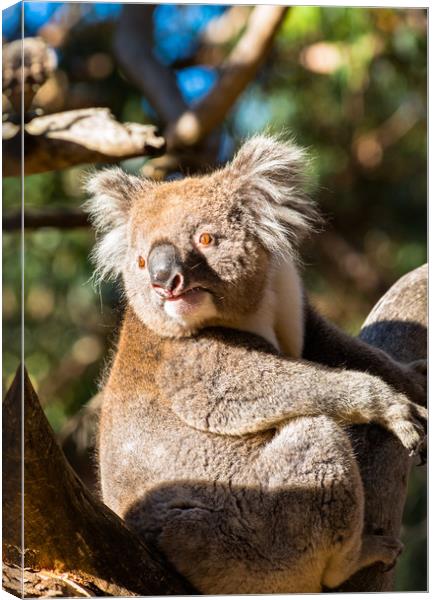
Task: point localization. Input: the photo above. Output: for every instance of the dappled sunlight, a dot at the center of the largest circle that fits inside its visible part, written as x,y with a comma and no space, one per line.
349,84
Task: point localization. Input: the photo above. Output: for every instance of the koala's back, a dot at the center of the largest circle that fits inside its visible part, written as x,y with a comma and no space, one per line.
233,514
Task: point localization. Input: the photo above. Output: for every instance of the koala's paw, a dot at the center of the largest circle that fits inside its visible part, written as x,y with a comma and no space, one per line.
390,549
408,422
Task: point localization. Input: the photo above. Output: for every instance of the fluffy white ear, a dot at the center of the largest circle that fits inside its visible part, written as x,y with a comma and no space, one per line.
270,175
112,193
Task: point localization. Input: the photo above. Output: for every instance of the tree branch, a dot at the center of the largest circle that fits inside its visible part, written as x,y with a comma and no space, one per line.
68,533
157,82
133,49
188,129
397,325
221,30
65,218
236,73
88,135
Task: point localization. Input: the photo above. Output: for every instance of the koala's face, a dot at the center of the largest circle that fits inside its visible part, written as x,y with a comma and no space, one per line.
197,252
193,258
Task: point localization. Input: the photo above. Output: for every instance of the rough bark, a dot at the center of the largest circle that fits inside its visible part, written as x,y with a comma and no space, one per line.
69,535
87,135
397,325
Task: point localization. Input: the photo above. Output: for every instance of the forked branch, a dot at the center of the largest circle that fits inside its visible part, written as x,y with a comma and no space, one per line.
185,126
236,73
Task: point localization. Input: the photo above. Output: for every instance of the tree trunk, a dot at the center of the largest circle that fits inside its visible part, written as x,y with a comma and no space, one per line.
71,540
397,325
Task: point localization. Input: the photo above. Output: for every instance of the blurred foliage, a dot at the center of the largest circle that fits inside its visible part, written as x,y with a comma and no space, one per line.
348,83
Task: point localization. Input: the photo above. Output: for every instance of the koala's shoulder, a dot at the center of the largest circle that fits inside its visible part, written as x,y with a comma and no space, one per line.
211,348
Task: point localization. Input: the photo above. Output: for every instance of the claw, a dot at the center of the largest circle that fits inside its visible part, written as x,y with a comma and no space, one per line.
387,568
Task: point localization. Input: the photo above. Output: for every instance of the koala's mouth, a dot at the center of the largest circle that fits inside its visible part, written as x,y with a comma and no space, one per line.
189,294
192,303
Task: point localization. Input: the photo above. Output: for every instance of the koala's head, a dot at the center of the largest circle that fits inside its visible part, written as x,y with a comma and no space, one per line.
198,251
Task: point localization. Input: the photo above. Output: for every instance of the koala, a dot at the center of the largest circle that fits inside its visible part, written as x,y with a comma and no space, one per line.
222,434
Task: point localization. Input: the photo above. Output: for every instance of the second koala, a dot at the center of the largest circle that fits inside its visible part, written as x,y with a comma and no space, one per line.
219,442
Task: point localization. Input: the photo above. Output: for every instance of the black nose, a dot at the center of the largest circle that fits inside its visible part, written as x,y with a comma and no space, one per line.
165,269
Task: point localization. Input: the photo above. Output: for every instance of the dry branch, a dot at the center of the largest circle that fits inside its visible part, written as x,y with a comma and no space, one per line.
87,135
236,73
69,535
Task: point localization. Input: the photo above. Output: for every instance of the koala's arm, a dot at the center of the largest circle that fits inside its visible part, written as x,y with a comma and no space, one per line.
326,344
226,383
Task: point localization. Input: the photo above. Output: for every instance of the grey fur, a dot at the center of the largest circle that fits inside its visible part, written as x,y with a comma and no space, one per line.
224,452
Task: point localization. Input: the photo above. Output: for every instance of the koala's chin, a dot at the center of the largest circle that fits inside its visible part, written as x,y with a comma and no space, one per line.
175,318
191,310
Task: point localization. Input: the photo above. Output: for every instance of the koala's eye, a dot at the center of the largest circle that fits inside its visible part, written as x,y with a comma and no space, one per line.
141,262
205,239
